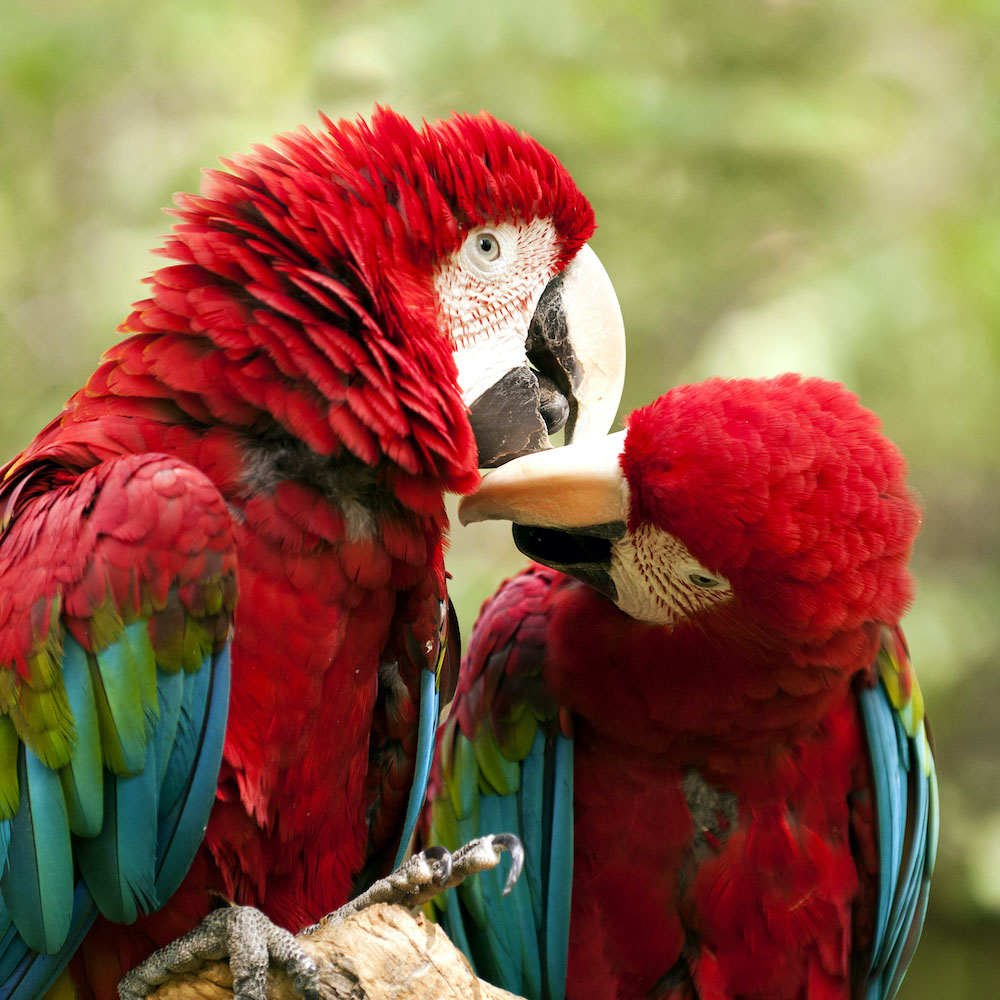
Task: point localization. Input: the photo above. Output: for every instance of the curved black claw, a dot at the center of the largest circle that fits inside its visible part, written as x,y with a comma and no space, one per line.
516,849
247,938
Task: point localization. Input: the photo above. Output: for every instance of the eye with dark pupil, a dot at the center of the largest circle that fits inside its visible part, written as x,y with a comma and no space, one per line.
486,244
700,580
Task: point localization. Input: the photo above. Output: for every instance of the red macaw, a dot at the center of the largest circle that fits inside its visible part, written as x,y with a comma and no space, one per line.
282,421
713,748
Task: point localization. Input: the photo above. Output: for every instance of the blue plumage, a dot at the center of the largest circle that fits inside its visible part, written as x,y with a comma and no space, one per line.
38,890
128,860
117,865
560,881
82,778
906,810
430,707
181,829
27,974
169,697
518,941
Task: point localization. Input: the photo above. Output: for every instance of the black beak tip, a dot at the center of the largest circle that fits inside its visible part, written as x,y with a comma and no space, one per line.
516,415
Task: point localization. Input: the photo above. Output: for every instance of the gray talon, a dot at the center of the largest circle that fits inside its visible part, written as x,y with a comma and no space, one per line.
249,940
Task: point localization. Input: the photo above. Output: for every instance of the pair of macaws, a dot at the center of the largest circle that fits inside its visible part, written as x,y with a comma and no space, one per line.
224,629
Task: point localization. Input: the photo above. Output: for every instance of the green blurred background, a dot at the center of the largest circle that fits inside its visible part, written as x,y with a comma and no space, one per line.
779,185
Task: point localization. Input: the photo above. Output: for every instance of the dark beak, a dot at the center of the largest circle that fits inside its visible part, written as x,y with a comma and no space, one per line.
573,372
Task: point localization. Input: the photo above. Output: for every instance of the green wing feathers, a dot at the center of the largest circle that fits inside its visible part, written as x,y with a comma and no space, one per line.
115,583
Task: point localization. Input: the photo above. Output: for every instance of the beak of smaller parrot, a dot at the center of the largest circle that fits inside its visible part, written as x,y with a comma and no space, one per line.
568,505
573,371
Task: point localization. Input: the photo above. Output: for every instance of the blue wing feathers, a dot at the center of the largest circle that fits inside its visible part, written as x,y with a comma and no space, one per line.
38,889
183,753
132,862
454,924
170,697
519,941
882,738
516,907
181,831
82,778
4,845
560,879
12,950
907,817
473,891
430,706
117,864
499,927
494,780
531,825
26,974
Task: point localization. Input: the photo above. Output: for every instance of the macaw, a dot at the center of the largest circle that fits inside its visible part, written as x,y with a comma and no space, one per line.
223,615
698,713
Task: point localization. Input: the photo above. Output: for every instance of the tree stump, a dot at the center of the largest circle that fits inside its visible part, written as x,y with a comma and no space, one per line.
382,953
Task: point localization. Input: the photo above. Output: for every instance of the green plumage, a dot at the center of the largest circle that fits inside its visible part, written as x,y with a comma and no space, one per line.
9,794
498,775
124,679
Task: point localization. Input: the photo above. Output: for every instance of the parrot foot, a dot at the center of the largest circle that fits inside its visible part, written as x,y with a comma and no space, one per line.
251,942
427,874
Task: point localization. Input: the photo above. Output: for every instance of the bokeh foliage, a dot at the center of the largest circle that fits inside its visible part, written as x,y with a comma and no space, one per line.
780,186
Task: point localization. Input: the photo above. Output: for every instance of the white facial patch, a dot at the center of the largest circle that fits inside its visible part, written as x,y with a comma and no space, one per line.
659,581
487,292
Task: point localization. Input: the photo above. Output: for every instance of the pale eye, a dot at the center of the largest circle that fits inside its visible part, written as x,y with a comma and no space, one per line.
488,246
705,581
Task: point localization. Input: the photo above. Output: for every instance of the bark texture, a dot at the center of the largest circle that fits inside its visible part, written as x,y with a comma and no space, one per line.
382,953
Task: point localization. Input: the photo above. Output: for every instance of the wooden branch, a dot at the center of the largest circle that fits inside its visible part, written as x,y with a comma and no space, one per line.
382,953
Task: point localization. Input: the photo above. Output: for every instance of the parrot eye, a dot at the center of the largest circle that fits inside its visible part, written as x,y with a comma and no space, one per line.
482,251
488,246
706,582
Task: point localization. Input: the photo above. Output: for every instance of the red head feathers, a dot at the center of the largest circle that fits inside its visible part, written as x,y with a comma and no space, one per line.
788,488
320,291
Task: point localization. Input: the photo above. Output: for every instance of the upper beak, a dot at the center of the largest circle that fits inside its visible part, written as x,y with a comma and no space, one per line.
568,505
573,373
580,485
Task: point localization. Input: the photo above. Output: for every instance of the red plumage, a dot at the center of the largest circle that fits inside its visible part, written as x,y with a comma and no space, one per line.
293,351
725,843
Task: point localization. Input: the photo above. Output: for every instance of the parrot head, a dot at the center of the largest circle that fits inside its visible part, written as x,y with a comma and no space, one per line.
400,284
779,500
